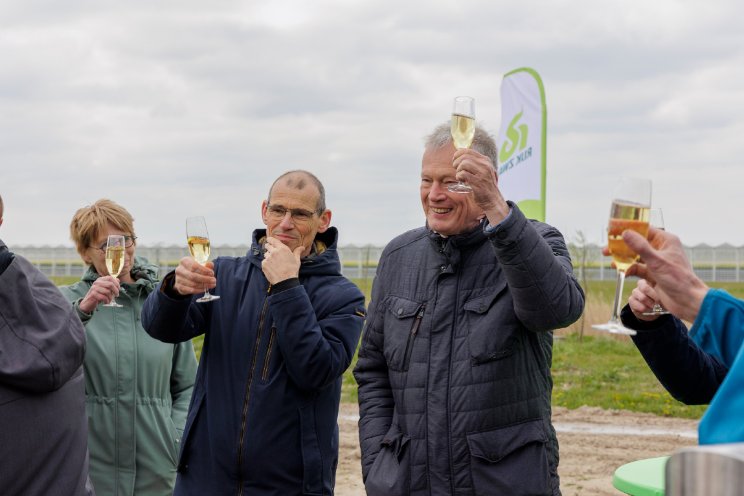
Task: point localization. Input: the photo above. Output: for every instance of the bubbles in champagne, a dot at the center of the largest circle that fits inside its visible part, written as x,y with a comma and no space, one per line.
199,248
114,260
462,129
624,216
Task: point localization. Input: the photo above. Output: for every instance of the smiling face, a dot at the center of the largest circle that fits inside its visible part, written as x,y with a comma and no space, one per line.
295,199
446,213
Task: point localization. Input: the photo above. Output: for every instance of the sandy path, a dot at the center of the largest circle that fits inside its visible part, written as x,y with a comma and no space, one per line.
594,442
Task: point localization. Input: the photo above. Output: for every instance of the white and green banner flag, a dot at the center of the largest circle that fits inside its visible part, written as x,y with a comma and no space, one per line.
521,141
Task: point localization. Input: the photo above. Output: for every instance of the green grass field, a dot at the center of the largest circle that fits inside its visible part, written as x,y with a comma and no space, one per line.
595,369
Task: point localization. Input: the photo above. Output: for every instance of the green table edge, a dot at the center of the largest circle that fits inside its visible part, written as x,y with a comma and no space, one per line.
653,469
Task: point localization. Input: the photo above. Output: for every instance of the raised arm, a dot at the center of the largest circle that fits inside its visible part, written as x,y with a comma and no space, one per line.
691,375
538,270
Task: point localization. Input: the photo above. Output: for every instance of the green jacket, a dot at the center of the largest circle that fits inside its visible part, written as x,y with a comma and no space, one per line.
137,391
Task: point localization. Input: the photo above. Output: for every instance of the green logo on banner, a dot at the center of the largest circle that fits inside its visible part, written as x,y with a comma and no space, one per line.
516,138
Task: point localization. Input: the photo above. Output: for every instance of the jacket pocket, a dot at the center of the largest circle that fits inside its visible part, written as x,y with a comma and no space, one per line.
491,323
402,325
391,471
510,460
267,359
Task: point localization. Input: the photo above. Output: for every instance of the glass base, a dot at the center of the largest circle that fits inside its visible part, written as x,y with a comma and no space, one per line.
113,304
207,297
615,328
459,188
657,310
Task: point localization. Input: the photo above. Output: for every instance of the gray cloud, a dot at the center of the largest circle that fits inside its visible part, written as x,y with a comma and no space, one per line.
177,109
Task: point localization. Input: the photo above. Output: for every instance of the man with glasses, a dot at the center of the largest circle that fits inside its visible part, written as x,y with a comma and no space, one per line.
263,415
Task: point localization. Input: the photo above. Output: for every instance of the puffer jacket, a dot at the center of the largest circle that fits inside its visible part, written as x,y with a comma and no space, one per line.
454,368
263,420
137,391
43,429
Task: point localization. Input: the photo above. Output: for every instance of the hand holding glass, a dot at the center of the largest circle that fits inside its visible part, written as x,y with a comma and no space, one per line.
656,219
462,128
197,238
115,254
629,210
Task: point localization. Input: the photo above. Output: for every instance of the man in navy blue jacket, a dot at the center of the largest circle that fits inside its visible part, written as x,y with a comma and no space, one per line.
263,414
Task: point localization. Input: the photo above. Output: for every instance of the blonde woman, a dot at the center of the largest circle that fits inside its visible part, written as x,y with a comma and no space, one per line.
137,388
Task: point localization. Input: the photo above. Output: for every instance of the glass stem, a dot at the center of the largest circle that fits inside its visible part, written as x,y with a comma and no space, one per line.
618,294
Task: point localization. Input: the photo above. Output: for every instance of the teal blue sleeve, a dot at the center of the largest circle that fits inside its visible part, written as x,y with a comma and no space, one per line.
719,326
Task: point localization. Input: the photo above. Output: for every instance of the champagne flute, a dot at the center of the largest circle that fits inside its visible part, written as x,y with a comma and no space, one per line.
115,254
656,219
197,238
462,128
629,210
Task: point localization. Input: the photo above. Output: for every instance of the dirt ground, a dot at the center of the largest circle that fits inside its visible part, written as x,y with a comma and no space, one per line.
593,443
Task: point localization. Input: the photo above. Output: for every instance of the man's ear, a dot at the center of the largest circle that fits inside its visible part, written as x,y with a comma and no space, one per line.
263,212
325,221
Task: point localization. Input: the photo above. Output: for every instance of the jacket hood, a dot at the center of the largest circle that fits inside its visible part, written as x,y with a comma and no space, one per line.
143,272
323,260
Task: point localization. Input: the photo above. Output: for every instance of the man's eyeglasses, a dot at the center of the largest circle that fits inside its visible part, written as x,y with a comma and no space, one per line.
299,215
128,243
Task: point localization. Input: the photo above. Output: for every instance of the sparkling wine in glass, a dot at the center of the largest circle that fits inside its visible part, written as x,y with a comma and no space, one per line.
656,219
197,238
115,255
462,128
630,210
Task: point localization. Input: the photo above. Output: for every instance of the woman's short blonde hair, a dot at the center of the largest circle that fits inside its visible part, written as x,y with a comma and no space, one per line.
89,221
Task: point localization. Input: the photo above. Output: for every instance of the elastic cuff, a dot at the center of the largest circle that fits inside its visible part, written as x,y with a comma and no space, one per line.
166,287
284,285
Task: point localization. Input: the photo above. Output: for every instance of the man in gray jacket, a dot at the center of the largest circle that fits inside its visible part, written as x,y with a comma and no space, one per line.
454,368
43,427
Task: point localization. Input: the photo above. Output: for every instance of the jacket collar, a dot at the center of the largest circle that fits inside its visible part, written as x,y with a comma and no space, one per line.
322,260
144,273
459,241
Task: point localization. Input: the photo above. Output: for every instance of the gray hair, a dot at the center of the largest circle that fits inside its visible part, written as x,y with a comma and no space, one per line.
300,184
483,142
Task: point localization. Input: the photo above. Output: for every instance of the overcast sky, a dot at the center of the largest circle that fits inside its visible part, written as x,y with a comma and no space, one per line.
191,107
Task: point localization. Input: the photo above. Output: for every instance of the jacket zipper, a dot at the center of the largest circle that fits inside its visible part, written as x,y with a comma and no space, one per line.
412,336
265,372
246,398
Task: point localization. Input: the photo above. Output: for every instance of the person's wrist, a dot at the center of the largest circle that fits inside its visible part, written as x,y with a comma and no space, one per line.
284,285
697,294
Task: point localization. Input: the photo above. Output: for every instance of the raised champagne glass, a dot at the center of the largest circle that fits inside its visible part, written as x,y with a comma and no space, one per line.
630,210
115,255
462,128
656,219
197,238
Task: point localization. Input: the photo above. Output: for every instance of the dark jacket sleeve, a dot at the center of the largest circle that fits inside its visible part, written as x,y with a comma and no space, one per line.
376,404
318,346
691,375
539,272
42,341
173,320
